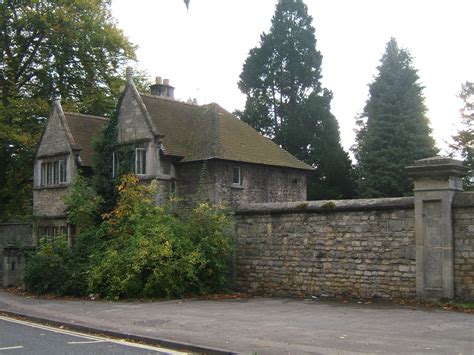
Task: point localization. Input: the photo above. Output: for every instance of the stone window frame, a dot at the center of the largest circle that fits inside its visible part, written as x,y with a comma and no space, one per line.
53,171
115,165
166,167
237,176
48,233
140,161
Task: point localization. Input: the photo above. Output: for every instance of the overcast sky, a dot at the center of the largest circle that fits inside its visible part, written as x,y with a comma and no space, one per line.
202,50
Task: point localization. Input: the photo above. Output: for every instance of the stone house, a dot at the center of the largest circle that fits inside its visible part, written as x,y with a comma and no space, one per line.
64,149
186,147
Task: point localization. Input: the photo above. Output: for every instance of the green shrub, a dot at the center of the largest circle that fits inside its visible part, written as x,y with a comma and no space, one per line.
49,270
153,252
139,250
58,268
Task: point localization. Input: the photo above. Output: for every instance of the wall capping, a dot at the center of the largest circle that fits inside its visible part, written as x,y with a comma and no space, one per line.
463,199
327,206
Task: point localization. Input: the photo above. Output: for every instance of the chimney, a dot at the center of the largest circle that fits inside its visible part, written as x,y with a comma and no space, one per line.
162,88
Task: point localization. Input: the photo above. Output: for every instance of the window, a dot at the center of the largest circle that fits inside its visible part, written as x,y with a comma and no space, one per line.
62,171
53,172
166,167
237,178
47,234
140,161
115,165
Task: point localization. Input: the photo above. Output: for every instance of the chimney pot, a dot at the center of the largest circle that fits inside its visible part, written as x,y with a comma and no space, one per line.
162,88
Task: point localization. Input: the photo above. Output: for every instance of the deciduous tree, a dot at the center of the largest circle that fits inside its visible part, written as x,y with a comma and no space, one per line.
72,49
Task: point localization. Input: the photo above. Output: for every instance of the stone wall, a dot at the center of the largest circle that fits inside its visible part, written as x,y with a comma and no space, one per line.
49,201
259,183
13,236
464,245
362,248
132,123
18,234
54,140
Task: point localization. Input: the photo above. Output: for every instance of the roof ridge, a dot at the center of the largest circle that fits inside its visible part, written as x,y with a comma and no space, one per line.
169,99
86,116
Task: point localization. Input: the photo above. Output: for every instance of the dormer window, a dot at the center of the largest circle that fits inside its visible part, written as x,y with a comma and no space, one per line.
140,161
53,172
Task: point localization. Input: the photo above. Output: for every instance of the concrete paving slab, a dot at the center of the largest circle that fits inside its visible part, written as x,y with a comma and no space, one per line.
267,325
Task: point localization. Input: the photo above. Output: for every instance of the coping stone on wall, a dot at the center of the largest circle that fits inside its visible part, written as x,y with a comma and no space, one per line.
463,199
326,206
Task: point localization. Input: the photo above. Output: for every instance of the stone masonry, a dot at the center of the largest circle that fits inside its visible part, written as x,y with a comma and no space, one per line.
421,246
362,248
464,245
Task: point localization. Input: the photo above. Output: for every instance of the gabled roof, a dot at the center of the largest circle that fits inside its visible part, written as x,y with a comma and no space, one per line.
83,129
209,132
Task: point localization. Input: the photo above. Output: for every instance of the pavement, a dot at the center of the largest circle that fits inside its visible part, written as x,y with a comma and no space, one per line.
260,325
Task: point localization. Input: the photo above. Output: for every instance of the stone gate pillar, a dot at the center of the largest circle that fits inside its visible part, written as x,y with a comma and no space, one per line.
436,181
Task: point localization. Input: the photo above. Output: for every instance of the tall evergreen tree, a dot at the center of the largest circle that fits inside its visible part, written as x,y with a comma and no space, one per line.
286,102
393,129
463,141
69,48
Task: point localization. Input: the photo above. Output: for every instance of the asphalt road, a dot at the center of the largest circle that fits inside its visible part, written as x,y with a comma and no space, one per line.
271,326
21,337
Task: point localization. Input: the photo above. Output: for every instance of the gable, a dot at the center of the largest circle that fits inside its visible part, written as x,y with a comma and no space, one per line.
55,139
133,124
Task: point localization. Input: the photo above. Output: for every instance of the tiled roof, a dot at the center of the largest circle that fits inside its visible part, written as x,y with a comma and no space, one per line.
84,128
210,132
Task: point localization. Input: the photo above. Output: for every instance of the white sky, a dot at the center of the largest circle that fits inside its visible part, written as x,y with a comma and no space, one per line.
202,50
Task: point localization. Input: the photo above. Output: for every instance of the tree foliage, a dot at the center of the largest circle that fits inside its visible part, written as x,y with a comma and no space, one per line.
153,252
82,203
463,141
62,269
393,130
139,249
71,49
286,102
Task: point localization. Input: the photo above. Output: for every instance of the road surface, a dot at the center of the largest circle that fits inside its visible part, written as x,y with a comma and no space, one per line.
22,337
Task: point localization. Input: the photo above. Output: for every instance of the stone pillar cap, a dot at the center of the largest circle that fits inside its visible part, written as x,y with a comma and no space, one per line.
436,167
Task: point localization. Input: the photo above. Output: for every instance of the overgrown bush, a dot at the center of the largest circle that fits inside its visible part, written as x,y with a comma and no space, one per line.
138,250
49,270
61,269
153,252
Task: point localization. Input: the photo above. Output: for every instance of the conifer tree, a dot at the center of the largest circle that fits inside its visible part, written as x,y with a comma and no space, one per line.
286,102
463,141
393,129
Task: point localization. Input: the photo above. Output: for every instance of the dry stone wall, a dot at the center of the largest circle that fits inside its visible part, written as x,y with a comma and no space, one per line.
361,248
